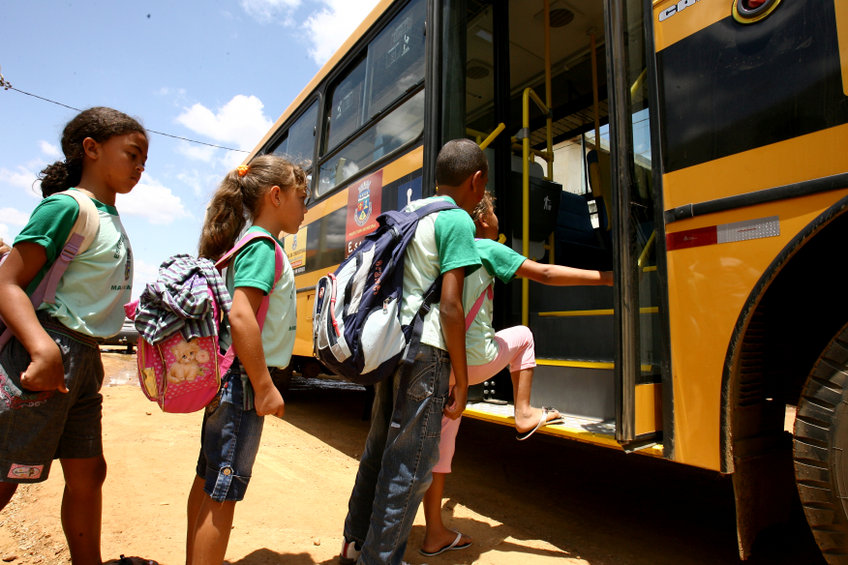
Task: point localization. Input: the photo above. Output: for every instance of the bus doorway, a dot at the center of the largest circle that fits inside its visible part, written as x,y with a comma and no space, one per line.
537,94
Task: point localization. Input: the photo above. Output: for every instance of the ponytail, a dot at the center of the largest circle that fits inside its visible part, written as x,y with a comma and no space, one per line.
239,198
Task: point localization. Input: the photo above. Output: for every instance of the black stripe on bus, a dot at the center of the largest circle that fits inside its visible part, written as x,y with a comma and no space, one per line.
795,190
731,87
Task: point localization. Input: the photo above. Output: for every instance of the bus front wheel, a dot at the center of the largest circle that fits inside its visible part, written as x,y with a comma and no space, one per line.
821,449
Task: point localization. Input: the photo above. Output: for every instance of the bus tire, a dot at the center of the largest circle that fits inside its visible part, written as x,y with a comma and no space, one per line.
821,449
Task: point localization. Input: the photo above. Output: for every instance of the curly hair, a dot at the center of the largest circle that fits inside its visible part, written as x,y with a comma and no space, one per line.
486,203
99,123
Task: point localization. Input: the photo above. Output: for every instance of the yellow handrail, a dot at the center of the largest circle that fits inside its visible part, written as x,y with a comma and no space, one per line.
485,143
646,250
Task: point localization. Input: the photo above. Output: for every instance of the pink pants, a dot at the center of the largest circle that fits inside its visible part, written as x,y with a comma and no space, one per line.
516,349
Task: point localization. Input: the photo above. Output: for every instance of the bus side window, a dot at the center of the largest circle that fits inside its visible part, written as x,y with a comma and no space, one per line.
345,112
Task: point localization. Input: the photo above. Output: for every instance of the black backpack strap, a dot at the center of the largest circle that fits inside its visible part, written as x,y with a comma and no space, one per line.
417,324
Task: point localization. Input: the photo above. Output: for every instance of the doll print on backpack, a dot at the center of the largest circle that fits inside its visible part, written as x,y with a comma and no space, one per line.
189,363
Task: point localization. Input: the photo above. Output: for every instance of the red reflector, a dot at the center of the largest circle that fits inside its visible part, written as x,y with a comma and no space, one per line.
691,238
753,4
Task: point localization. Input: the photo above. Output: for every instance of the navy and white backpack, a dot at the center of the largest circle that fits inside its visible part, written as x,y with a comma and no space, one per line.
356,327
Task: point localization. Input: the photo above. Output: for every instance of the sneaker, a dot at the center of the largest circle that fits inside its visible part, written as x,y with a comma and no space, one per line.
350,553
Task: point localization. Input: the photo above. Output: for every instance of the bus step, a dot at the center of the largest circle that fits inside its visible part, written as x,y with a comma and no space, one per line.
589,430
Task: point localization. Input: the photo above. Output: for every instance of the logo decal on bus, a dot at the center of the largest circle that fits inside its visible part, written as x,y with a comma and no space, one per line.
363,204
676,9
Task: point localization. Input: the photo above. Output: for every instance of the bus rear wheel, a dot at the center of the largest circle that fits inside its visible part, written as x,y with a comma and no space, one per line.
821,449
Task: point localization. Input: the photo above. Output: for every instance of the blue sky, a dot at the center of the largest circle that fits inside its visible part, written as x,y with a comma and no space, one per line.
220,72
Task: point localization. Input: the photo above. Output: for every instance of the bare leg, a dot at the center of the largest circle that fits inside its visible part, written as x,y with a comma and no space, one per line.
82,508
436,535
195,497
7,490
526,417
211,530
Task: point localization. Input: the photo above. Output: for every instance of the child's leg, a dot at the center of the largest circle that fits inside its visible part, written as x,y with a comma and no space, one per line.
436,535
82,506
195,498
212,531
517,345
229,443
7,490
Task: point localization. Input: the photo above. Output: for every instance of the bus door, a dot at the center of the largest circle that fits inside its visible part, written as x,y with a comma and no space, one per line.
528,80
641,365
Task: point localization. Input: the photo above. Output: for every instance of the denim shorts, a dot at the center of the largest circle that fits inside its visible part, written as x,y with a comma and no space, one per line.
38,427
229,441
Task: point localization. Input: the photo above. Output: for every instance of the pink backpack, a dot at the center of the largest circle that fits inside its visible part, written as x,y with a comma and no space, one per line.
185,375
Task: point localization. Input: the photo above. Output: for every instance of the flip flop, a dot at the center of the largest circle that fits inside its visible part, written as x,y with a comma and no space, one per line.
543,421
452,546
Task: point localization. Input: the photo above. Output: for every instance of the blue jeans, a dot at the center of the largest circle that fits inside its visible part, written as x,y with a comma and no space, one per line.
229,441
400,452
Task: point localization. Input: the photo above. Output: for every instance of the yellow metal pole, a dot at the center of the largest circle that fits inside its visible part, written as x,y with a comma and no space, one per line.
485,143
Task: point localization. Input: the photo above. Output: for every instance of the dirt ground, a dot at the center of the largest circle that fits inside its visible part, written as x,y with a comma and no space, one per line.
538,502
293,512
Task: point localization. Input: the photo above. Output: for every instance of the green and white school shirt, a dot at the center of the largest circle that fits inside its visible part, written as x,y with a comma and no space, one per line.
443,241
254,266
91,295
498,261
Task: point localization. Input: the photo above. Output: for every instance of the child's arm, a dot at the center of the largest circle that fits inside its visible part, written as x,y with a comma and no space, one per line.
452,317
560,275
247,339
45,370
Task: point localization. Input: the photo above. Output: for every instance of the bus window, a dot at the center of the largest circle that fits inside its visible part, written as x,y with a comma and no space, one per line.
402,125
396,59
298,144
369,96
346,108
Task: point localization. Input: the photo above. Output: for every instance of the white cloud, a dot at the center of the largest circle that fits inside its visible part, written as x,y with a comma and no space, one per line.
6,235
240,121
265,11
201,183
330,27
202,153
12,222
154,202
50,150
22,177
143,273
14,216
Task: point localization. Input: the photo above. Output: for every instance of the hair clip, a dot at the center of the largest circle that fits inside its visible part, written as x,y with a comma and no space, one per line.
242,170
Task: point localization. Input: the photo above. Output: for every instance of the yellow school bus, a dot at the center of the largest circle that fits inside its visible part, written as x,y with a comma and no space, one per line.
695,147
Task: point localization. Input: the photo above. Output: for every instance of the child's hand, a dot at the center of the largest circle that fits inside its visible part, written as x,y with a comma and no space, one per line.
45,370
269,401
455,405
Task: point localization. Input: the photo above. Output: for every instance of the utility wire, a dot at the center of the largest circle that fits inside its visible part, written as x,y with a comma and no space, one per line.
6,85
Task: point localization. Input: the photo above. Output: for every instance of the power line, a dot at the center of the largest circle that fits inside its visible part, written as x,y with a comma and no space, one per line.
6,85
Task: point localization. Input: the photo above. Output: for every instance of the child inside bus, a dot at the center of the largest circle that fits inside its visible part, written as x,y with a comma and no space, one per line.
489,352
50,371
402,444
272,193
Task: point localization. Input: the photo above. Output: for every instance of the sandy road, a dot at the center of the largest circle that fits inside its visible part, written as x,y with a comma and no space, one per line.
543,501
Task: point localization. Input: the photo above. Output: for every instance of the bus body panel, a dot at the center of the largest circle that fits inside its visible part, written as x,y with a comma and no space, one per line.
676,19
307,277
708,287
